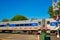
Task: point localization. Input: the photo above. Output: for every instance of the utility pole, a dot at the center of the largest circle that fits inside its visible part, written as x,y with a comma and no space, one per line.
56,14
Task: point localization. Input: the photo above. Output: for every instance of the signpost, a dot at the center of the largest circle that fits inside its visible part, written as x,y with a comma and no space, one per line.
56,14
58,29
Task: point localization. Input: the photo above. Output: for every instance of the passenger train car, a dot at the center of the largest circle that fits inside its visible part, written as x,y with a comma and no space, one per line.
52,25
29,26
26,26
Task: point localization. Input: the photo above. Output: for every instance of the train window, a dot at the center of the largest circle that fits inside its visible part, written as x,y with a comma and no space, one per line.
7,24
31,24
21,24
12,25
34,24
58,22
17,25
26,24
39,23
53,24
2,25
48,22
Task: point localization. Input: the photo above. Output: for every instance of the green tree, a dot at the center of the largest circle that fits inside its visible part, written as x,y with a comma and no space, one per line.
19,17
5,20
50,10
59,3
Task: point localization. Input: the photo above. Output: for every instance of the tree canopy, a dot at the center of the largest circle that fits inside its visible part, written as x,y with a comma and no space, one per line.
50,10
59,3
15,18
19,17
5,20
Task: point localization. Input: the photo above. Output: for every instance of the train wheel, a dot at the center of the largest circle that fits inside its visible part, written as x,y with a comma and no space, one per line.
10,31
34,32
0,31
27,32
14,31
30,32
3,31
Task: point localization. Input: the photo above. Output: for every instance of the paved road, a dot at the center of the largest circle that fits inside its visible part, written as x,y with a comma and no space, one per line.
22,37
18,37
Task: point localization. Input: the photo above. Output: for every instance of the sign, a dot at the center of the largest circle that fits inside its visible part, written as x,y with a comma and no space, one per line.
54,17
53,23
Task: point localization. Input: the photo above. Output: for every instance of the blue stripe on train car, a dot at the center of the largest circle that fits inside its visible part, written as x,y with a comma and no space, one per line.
53,23
29,24
3,25
12,25
34,24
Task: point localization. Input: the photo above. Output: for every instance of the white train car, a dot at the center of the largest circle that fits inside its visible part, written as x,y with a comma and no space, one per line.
29,26
26,25
52,25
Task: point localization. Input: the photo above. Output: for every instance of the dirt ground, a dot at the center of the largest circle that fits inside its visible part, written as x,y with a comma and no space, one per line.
18,37
23,37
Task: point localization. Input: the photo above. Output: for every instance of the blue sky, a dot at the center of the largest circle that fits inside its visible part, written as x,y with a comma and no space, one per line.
29,8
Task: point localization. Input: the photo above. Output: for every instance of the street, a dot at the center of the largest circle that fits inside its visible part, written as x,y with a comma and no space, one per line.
8,36
18,37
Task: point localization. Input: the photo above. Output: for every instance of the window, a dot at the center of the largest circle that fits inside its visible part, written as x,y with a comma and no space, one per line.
34,24
17,24
26,24
21,24
58,22
7,24
48,22
12,25
39,23
53,24
29,24
2,25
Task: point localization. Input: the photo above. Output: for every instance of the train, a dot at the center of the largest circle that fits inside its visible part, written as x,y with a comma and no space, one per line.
29,26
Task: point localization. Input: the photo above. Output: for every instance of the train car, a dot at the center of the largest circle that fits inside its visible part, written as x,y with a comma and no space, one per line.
27,26
52,25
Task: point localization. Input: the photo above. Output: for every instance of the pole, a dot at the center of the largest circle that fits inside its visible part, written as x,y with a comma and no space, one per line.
56,8
58,27
57,33
58,30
